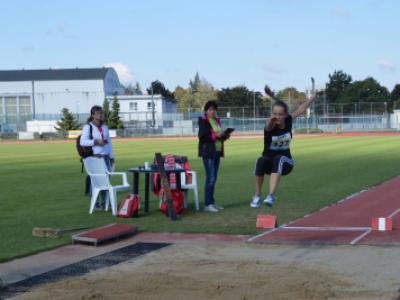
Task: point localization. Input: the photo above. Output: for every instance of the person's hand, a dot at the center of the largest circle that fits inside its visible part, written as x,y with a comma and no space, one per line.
271,123
268,92
99,142
224,136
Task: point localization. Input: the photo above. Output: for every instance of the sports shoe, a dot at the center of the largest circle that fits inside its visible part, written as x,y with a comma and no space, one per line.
255,202
269,201
217,206
210,208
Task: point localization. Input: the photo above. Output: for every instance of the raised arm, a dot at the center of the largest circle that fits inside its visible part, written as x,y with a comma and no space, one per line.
299,111
303,107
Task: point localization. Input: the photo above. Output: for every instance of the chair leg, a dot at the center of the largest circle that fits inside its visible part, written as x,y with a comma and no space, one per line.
161,197
107,200
93,200
113,201
196,197
185,199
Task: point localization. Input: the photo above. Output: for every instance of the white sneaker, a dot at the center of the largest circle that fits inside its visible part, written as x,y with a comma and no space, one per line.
210,208
269,200
255,202
217,206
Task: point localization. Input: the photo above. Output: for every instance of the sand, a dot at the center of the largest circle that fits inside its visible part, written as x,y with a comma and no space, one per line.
240,271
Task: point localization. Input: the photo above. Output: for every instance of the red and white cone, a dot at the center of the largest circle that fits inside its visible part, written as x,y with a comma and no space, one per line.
382,224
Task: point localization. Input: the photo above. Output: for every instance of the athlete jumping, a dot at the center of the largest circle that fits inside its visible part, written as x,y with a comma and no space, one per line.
276,159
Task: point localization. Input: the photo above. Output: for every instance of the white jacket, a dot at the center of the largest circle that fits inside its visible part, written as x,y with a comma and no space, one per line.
86,141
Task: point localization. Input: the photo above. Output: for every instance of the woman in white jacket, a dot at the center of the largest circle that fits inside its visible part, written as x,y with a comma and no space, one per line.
95,134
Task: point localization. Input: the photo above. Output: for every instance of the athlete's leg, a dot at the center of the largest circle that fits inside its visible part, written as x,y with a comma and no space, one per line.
282,165
274,182
263,166
259,184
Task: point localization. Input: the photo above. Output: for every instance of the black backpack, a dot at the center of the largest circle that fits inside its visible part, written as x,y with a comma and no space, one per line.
84,151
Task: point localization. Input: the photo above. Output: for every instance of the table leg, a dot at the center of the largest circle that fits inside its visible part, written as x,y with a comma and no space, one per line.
146,192
136,183
178,180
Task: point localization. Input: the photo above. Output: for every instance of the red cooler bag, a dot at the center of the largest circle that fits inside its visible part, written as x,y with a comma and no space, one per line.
129,207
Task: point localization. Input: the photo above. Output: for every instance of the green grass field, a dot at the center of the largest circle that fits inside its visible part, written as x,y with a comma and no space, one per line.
41,185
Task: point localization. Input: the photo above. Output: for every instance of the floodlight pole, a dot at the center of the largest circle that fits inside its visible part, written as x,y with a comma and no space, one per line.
33,100
254,111
153,121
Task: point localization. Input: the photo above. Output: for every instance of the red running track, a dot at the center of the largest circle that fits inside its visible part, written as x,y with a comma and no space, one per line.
347,222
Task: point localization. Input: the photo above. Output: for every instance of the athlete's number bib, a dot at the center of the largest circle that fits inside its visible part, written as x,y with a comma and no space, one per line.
281,142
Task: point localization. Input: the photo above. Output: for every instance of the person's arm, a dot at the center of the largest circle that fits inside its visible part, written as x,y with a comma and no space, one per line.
303,107
86,140
205,132
109,148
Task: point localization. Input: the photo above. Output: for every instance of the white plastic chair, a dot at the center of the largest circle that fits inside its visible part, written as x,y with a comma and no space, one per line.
190,186
99,176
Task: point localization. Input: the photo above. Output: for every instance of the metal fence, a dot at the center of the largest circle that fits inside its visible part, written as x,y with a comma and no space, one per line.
327,118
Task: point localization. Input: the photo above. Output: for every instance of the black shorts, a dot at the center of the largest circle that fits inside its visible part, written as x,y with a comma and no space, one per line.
273,164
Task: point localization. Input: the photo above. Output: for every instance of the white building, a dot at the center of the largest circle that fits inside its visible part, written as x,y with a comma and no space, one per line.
41,94
138,109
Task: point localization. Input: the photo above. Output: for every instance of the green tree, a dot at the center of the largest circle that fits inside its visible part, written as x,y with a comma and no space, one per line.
106,111
335,88
158,88
115,121
137,89
364,91
67,122
195,96
367,90
195,84
133,89
292,96
395,94
238,96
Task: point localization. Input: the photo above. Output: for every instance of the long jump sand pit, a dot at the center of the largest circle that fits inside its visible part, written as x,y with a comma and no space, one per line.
240,271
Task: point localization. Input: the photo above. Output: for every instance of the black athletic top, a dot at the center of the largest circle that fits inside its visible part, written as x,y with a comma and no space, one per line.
277,141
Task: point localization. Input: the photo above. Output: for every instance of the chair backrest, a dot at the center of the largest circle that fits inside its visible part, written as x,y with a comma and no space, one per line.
97,166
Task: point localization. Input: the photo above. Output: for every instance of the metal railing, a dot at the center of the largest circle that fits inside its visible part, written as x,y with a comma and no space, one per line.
330,117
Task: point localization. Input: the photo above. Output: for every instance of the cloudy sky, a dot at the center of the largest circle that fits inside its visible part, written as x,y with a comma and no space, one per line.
229,42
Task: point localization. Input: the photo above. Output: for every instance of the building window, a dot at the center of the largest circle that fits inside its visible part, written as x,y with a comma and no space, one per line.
133,106
24,105
11,110
25,113
149,106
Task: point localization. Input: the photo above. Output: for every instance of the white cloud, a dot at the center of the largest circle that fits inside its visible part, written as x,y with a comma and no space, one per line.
387,66
124,73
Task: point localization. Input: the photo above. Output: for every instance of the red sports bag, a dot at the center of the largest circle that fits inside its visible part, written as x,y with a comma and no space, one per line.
177,201
129,207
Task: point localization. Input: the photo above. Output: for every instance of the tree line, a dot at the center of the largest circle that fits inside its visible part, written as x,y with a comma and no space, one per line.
340,88
110,117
